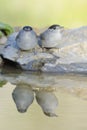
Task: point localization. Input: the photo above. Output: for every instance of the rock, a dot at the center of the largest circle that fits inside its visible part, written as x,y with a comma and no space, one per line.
3,40
5,31
1,62
71,56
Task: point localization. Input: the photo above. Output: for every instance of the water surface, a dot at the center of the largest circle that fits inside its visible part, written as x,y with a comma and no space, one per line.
70,90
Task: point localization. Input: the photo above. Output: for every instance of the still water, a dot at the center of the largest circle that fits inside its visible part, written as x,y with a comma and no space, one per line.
69,91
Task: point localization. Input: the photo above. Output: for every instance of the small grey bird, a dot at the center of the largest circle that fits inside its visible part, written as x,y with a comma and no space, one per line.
23,97
26,38
47,101
50,38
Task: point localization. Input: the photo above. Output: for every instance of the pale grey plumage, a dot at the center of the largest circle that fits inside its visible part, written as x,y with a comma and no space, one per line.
50,38
26,38
48,102
23,97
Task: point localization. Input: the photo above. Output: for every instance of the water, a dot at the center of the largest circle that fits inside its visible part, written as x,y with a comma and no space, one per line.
69,89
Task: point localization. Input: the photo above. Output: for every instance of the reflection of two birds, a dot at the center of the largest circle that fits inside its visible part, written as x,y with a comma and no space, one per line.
23,97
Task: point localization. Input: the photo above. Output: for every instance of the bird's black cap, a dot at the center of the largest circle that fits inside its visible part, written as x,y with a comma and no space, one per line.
27,28
54,26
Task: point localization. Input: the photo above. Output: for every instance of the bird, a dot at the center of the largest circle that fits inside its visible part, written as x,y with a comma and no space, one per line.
26,38
48,102
23,97
51,37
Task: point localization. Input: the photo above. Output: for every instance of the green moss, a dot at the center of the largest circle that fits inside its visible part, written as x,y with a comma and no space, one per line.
5,29
2,83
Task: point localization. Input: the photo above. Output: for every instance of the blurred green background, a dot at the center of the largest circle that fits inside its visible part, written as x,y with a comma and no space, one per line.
42,13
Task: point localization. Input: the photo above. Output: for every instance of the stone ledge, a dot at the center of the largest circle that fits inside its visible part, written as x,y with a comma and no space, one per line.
71,56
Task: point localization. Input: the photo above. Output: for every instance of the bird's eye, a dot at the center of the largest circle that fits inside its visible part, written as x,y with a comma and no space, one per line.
54,26
27,28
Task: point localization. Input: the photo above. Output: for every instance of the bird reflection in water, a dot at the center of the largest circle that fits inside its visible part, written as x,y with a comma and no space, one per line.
47,101
23,96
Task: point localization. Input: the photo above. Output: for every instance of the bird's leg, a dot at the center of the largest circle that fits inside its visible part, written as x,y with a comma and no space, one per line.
44,49
53,52
34,51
